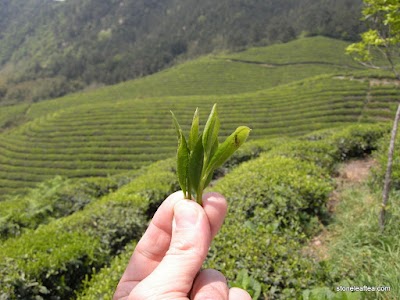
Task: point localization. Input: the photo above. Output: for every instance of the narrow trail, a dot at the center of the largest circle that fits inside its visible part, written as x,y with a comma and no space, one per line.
354,172
372,81
274,65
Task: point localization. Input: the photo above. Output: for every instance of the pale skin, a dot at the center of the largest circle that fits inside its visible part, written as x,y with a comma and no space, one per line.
167,260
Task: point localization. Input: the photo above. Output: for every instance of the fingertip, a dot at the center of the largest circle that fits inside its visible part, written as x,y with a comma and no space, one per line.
210,284
216,207
214,197
238,294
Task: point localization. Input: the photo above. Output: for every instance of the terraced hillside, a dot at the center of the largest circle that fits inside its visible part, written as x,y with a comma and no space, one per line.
123,127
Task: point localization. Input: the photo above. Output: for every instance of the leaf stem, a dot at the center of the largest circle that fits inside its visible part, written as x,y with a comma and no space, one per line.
189,192
199,196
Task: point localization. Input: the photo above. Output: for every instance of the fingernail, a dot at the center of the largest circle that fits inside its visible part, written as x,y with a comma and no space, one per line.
186,214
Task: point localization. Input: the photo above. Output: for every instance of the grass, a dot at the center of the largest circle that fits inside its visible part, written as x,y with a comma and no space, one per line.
358,251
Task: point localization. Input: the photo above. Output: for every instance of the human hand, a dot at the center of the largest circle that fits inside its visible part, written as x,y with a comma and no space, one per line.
166,262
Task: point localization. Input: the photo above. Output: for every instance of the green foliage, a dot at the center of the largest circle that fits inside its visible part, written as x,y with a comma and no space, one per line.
11,116
249,284
355,250
276,202
46,264
250,150
383,36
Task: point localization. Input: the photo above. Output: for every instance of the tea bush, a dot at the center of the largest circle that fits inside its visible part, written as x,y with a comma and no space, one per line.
359,140
273,200
323,154
102,284
54,198
31,269
53,260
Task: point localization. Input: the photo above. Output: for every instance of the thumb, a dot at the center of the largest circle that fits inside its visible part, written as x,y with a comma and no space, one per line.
191,237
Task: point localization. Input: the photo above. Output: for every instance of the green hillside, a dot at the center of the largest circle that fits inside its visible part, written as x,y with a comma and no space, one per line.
126,126
50,48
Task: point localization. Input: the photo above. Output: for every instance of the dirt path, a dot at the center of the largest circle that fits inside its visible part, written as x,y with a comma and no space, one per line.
356,171
353,172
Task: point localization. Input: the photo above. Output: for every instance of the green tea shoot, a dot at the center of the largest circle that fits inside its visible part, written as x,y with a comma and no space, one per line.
201,154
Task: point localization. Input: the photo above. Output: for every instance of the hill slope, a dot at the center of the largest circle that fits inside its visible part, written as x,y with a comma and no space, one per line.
123,127
49,48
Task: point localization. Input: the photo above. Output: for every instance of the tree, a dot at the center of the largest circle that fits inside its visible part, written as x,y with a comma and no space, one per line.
383,36
388,175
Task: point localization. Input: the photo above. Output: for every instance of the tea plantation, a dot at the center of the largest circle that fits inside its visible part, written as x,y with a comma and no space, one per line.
80,176
126,126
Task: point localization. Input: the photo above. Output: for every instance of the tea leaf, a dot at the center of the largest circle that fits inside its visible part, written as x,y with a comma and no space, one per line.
210,132
194,131
196,164
208,179
183,163
202,154
214,147
177,126
228,147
